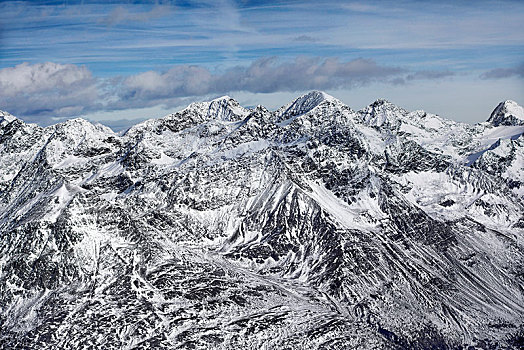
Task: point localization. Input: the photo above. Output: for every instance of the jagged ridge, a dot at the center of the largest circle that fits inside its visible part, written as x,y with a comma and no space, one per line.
219,226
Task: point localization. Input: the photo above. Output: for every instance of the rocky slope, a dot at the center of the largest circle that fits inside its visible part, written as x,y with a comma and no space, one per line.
224,227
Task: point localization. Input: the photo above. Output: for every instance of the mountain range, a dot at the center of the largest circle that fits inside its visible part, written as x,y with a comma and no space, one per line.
223,227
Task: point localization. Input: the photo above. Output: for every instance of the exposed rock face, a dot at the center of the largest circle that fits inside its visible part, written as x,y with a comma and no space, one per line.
507,113
224,227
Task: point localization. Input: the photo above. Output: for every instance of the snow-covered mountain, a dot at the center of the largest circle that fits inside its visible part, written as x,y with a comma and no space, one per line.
507,113
224,227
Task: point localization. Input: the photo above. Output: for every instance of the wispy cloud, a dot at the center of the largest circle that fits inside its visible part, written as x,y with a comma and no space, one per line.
500,73
361,7
422,75
305,38
237,32
123,14
430,74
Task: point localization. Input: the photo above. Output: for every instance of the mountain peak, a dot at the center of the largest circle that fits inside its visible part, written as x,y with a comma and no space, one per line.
314,98
223,98
81,126
226,108
507,113
222,108
304,104
8,118
381,112
382,102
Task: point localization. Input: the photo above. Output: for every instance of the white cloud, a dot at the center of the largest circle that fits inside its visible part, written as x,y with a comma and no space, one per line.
26,78
47,89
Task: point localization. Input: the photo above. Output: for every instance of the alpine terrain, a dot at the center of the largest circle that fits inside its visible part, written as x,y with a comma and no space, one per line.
220,227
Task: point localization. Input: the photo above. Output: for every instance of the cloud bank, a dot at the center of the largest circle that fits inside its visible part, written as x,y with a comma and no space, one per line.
500,73
47,89
44,91
264,75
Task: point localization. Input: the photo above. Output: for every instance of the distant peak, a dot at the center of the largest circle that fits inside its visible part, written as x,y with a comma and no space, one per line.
221,108
380,105
306,103
226,108
324,94
317,96
82,124
224,101
507,113
382,102
4,116
510,103
381,112
222,98
261,108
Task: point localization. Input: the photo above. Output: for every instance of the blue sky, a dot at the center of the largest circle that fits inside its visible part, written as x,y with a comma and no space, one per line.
111,60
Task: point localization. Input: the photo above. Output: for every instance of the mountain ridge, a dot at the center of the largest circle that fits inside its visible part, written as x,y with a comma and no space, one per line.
316,97
224,227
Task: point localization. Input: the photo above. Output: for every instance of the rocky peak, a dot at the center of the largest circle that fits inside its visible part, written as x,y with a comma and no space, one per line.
222,108
6,118
82,124
78,130
381,112
304,104
507,113
227,109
